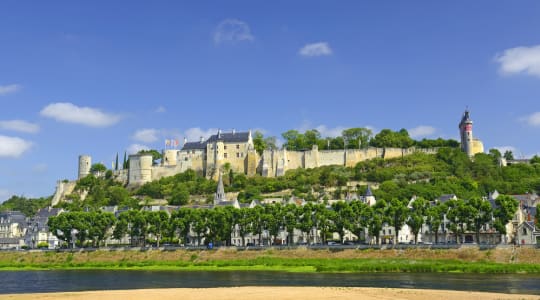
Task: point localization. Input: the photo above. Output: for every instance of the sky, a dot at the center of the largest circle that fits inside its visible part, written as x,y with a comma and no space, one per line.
104,77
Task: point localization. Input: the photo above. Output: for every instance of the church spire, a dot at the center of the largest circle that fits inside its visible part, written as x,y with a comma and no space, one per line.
220,193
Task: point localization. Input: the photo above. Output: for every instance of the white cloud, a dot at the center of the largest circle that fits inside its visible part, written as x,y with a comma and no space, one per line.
326,131
503,149
232,31
532,119
9,89
330,132
421,131
194,134
19,125
315,49
160,109
70,113
146,135
135,148
520,60
40,168
13,146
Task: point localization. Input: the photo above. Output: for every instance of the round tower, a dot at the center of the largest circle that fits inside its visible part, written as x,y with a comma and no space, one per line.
169,157
85,163
140,168
465,130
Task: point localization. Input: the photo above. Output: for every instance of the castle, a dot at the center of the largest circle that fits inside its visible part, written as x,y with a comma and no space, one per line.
236,151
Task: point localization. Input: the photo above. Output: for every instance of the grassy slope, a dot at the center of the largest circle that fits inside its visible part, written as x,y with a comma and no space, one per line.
300,260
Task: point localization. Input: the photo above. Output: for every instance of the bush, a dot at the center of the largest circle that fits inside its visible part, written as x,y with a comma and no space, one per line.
43,245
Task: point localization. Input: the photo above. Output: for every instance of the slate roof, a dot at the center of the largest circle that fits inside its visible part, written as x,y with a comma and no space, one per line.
194,146
229,137
446,197
369,193
48,212
12,217
226,137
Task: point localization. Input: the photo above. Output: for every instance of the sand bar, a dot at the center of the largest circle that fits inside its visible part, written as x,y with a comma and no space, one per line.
255,293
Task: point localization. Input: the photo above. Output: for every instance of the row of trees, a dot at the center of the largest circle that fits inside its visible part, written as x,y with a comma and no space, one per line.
218,224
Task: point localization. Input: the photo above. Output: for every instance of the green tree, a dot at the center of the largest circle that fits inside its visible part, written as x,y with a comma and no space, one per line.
506,207
459,216
396,213
357,137
481,214
435,217
100,226
158,222
98,168
156,155
416,216
343,217
360,220
508,155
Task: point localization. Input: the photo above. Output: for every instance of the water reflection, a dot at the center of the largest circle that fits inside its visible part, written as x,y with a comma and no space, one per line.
48,281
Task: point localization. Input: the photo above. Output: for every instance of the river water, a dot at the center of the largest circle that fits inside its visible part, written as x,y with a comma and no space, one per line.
63,281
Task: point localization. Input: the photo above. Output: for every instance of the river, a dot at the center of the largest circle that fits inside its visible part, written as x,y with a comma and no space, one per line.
63,281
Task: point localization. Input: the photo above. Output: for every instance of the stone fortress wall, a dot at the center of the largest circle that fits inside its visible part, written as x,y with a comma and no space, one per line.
271,163
277,162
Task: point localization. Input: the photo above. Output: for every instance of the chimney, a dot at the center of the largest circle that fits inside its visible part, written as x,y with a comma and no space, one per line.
233,131
202,140
219,133
185,140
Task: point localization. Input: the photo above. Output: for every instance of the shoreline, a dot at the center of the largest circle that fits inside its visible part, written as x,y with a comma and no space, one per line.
256,293
471,261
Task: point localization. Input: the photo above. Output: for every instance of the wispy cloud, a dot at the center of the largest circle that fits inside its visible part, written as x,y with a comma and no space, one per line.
520,60
135,148
195,133
19,125
13,146
532,119
88,116
315,49
146,135
327,131
503,149
9,89
160,109
232,31
40,168
421,131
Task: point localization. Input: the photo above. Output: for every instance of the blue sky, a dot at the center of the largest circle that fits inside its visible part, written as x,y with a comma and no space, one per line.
101,77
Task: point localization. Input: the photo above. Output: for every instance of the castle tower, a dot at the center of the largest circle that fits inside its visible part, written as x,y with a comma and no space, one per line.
85,163
219,196
140,169
465,131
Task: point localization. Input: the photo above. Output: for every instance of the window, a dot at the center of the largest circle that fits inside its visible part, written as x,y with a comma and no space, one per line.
237,154
225,155
225,147
237,146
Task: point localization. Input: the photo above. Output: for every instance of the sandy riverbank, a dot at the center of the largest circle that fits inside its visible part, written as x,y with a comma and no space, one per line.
255,293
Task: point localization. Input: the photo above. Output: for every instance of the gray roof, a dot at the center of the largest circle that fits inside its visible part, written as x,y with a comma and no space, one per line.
12,217
444,198
48,212
194,146
369,193
230,137
226,137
